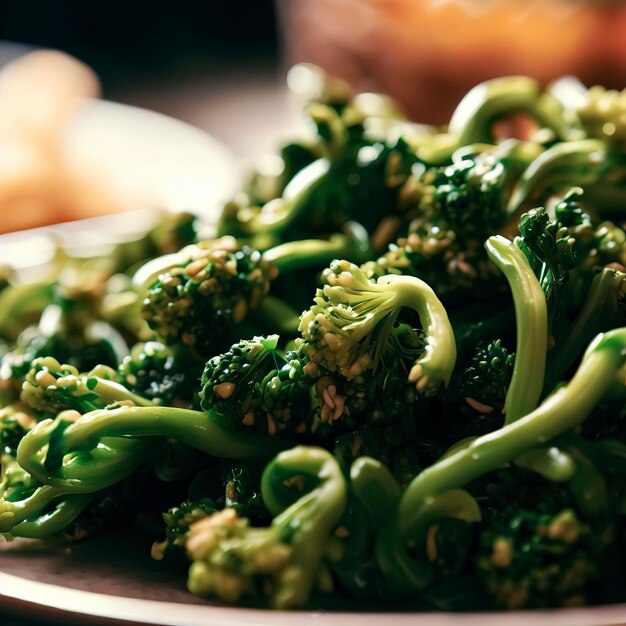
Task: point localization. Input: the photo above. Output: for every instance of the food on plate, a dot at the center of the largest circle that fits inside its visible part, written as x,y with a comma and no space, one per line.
395,373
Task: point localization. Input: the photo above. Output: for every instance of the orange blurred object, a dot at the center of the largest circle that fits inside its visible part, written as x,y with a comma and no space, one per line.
40,95
428,53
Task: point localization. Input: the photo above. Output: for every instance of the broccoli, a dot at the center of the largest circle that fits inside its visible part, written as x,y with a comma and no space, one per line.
471,194
178,520
306,491
602,115
51,387
160,373
582,163
200,296
441,256
349,328
485,381
437,491
253,386
346,168
484,104
533,550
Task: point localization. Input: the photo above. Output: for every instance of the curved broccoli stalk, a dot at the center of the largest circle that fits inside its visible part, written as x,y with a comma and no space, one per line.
201,294
532,328
563,165
267,224
376,488
83,474
50,523
52,387
305,489
339,331
485,103
565,409
253,386
87,432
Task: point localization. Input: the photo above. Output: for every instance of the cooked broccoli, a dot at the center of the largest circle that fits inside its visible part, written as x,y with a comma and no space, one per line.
485,381
200,296
348,330
533,550
51,387
602,115
254,386
437,491
160,373
471,194
305,489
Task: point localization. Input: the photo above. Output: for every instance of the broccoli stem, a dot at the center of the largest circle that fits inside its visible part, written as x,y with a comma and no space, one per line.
55,521
599,311
376,488
296,255
18,302
473,118
565,164
107,463
438,360
563,410
278,215
531,318
311,518
437,491
194,428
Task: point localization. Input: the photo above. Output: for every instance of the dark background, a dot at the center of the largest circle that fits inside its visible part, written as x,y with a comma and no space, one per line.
126,41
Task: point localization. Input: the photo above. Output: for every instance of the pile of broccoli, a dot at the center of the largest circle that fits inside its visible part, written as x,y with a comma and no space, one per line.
396,371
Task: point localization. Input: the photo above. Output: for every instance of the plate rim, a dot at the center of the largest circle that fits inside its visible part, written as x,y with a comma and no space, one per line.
22,596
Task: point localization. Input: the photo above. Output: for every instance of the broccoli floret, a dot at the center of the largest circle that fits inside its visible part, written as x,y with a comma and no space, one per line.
201,295
349,329
437,491
161,374
253,386
306,491
178,520
51,387
603,115
434,252
485,381
533,550
471,195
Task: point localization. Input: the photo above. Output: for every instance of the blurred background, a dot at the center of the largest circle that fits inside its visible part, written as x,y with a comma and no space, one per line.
221,65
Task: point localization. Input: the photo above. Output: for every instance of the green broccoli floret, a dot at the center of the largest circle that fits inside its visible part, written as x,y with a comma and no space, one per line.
305,489
434,252
603,115
51,387
178,520
438,490
485,381
533,550
471,195
161,374
199,296
349,329
253,386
